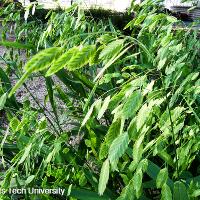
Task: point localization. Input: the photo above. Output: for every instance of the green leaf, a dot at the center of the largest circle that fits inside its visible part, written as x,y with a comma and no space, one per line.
50,156
110,62
104,176
87,116
132,104
180,191
195,180
166,157
173,68
103,152
138,182
161,63
16,45
5,80
6,84
196,193
3,99
81,58
111,49
138,149
143,165
84,79
148,88
171,19
140,19
162,178
127,192
39,62
113,132
104,107
132,130
7,180
42,60
166,192
71,84
153,171
62,61
49,86
142,116
182,86
127,90
82,180
165,117
29,179
69,190
18,84
14,123
118,148
26,153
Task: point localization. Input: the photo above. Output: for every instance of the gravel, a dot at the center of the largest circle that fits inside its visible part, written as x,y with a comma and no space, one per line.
36,87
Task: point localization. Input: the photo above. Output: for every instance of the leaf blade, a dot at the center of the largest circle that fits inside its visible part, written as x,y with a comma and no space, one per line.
118,148
3,99
104,176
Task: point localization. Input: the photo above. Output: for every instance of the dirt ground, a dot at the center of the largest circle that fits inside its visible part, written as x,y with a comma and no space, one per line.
36,86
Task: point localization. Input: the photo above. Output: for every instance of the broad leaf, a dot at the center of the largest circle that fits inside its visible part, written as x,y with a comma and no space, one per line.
153,171
62,61
29,179
127,192
87,116
104,176
16,45
180,191
39,62
26,154
81,58
166,192
104,107
113,132
162,178
118,148
19,84
138,149
132,104
196,193
3,99
142,116
111,49
43,59
138,182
